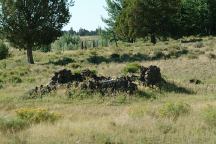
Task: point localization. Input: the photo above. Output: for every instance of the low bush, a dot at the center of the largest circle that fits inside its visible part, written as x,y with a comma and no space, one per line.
37,115
211,56
192,56
95,59
12,124
66,42
4,51
115,57
131,68
209,115
174,110
199,45
75,65
63,61
15,79
178,53
158,55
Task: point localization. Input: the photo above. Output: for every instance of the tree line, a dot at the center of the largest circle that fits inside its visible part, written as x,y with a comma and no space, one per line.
84,32
33,23
131,19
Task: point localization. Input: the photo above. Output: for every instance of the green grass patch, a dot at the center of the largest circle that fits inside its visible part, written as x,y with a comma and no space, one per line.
209,116
37,115
174,110
131,68
12,124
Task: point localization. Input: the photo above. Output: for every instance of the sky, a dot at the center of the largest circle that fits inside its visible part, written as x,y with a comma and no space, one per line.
87,14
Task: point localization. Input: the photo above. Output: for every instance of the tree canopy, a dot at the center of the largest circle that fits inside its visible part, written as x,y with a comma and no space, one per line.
29,23
161,18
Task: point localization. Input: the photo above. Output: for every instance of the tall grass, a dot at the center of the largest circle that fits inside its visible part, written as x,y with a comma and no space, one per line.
145,117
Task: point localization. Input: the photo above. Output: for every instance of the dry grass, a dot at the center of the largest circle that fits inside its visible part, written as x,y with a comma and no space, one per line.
114,120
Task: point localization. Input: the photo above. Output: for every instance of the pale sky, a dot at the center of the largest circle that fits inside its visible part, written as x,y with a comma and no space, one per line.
87,14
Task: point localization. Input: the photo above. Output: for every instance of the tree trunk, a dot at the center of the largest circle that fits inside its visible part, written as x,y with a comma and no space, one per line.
153,39
30,55
116,43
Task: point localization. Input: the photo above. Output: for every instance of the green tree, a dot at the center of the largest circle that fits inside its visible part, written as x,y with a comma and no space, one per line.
125,26
212,16
29,23
193,17
140,18
113,8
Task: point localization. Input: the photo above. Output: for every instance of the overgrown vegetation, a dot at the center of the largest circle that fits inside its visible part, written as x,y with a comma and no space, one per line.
131,68
66,42
37,115
176,113
4,51
209,115
155,85
11,125
174,110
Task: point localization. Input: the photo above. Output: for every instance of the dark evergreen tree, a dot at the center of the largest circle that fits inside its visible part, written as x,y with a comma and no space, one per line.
29,23
140,18
212,16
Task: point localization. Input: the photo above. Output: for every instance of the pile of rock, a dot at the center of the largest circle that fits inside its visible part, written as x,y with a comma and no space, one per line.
195,81
41,91
150,76
66,77
122,84
61,77
87,79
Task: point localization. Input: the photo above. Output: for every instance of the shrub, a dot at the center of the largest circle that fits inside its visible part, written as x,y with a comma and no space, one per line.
115,57
4,51
177,53
37,115
95,59
15,79
209,115
192,56
66,42
199,45
157,55
211,56
12,124
131,68
63,61
174,110
75,65
125,57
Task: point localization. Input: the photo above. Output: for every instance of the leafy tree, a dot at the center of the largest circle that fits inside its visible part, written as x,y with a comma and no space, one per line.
125,25
72,32
193,17
66,42
84,32
113,8
212,16
29,23
4,52
140,18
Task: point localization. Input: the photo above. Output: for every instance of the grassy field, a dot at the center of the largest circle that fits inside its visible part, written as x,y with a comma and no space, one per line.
182,113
